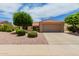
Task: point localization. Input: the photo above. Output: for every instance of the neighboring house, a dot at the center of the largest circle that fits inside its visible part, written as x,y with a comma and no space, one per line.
36,26
49,26
1,23
4,22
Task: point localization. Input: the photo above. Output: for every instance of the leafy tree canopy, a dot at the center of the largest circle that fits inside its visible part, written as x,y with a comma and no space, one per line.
22,19
72,19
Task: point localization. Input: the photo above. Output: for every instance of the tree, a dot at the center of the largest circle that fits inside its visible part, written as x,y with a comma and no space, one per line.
22,19
73,20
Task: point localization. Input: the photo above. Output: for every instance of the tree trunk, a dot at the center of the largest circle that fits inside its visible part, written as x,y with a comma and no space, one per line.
20,27
24,27
74,27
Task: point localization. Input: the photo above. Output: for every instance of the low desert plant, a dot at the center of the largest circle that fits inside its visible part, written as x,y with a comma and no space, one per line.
9,30
20,32
6,28
32,34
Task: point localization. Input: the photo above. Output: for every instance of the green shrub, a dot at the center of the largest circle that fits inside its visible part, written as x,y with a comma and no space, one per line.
17,30
0,28
71,28
9,30
6,28
32,34
20,32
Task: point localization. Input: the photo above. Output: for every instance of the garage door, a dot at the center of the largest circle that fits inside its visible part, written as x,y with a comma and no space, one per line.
53,28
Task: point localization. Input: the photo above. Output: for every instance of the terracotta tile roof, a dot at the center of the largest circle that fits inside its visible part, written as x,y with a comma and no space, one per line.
3,22
35,24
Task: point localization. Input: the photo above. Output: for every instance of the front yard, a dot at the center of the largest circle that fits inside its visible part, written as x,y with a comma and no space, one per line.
43,38
8,38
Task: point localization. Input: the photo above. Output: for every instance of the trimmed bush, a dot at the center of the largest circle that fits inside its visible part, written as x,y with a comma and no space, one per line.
20,32
32,34
17,30
9,30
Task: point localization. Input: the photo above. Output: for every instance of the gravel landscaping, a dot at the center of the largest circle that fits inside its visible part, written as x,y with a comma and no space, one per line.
8,38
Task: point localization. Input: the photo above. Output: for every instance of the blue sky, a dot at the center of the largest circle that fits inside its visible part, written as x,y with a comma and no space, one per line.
39,11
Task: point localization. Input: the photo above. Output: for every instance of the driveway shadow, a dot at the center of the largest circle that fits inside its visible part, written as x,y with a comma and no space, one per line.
76,34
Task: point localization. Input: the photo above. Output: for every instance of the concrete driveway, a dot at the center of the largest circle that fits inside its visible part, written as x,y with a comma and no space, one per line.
61,39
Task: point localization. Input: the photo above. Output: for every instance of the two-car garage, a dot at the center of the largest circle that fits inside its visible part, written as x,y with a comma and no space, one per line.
51,26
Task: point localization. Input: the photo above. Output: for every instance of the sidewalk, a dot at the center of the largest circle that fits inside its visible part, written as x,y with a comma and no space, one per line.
47,50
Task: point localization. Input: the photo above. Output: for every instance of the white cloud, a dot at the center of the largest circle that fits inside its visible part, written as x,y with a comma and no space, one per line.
53,9
9,7
36,19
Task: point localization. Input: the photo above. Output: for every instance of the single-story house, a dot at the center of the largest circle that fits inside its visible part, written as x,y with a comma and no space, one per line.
49,26
4,22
